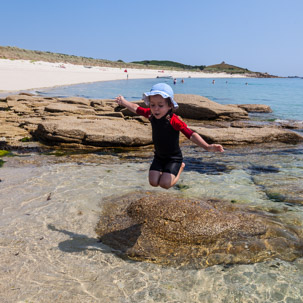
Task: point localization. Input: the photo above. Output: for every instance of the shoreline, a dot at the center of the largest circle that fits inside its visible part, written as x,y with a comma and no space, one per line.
20,75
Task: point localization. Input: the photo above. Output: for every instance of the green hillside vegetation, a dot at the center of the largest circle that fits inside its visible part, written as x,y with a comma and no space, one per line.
170,64
15,53
227,68
8,52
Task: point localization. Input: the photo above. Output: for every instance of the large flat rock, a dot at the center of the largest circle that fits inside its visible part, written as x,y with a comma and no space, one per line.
66,108
201,108
251,135
105,131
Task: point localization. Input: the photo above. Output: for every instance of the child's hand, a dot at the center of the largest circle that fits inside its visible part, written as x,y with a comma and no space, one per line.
215,148
120,100
129,105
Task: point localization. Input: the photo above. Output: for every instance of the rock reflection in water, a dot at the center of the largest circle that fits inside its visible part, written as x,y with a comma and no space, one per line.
175,230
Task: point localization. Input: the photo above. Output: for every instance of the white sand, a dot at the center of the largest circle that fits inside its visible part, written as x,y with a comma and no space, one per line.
16,75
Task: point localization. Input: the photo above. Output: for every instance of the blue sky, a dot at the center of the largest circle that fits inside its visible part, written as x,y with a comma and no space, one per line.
261,35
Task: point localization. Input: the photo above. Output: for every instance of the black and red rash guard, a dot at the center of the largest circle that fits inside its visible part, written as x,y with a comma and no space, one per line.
165,133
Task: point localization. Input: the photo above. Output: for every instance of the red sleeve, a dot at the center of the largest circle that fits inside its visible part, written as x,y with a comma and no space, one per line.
145,112
179,125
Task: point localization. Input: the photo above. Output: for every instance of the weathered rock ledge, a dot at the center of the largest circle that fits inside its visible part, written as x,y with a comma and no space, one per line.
91,122
180,231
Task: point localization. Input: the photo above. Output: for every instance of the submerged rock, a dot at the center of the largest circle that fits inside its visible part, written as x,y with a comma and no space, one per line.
282,187
175,230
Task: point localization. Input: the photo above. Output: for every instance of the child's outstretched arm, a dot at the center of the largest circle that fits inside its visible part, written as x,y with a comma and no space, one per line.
129,105
197,139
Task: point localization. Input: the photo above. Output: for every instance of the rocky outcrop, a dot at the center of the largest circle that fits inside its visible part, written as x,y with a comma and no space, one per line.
200,108
251,135
93,122
105,131
13,132
176,230
75,100
255,108
66,109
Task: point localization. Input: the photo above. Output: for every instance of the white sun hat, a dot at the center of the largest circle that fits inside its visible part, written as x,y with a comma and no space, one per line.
162,89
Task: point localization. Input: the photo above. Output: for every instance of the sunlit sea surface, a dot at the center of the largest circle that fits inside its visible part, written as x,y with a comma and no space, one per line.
52,205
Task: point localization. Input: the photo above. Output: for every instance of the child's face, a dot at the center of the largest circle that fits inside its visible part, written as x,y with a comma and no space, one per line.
158,106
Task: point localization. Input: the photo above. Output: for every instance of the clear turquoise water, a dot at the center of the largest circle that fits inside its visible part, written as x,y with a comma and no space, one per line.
51,205
284,96
68,194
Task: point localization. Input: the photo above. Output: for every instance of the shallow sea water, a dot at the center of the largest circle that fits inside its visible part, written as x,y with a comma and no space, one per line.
51,205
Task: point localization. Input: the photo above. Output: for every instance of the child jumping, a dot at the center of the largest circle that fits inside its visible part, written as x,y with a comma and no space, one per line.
168,163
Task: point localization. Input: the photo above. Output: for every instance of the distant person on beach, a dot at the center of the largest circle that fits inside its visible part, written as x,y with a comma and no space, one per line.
182,81
175,81
168,163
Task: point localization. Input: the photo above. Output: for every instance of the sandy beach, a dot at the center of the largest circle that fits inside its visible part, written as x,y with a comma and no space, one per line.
16,75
